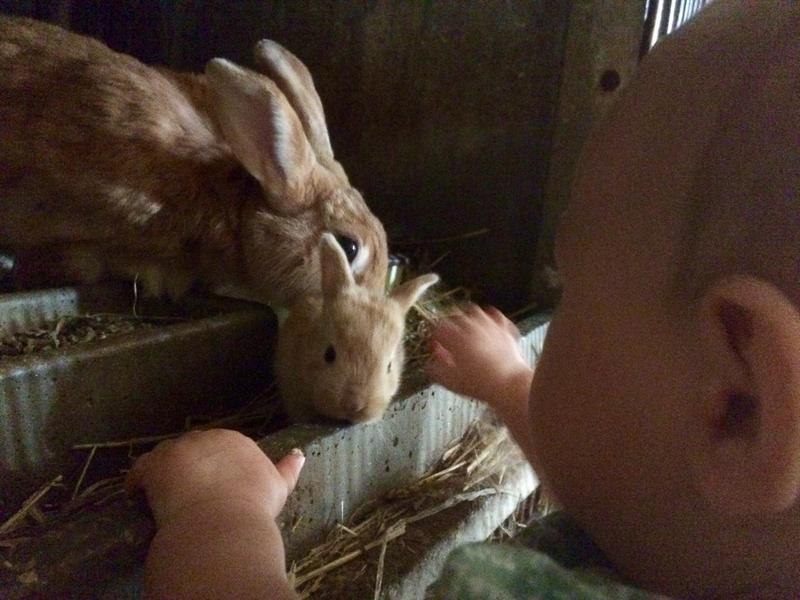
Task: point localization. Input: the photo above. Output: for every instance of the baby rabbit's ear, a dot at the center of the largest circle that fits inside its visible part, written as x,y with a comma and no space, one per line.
263,132
336,275
294,80
406,294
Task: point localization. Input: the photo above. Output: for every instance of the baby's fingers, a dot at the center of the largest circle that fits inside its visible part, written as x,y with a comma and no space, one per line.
441,366
289,468
502,320
133,480
140,474
446,332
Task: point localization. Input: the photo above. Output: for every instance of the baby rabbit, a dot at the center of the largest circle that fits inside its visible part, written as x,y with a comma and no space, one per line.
340,354
108,166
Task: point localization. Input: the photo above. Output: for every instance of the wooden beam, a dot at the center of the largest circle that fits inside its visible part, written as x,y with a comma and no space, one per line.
604,38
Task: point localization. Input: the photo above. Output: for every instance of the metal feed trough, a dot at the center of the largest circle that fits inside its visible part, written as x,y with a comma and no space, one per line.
208,356
146,383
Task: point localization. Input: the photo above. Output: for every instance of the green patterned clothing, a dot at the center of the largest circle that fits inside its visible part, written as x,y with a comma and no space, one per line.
553,559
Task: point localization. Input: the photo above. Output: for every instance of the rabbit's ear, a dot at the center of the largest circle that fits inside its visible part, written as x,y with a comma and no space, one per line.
263,132
406,294
336,275
294,80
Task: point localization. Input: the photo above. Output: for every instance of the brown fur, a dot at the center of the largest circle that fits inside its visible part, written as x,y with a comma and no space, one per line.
366,330
108,166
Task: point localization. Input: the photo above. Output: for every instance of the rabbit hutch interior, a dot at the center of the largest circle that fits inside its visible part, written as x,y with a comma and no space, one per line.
145,253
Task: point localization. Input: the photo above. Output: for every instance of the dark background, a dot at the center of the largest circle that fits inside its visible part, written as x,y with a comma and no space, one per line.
442,112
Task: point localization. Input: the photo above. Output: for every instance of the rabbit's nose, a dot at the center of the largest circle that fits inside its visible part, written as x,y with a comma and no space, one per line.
353,403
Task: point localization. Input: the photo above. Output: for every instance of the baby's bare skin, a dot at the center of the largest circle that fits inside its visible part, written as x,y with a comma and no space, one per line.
665,410
476,354
214,496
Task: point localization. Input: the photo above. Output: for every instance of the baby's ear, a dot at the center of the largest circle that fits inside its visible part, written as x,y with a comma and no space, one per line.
748,452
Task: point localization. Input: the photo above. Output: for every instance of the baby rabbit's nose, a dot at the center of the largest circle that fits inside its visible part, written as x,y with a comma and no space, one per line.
353,403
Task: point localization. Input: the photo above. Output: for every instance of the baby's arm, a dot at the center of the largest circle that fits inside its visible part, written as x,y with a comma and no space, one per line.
475,353
215,496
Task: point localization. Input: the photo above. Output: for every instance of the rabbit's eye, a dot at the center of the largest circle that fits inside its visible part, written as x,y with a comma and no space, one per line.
330,354
389,368
349,245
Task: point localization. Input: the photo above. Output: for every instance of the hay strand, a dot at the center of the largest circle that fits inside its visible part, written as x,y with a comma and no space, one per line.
83,473
443,240
394,532
136,441
17,518
379,576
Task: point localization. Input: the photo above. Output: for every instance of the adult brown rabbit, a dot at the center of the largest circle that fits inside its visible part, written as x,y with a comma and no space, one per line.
111,167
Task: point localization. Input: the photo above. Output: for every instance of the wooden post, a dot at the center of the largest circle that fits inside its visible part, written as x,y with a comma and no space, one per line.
602,51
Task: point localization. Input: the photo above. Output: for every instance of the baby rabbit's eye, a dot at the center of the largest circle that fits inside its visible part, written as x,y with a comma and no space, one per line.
349,245
330,354
389,368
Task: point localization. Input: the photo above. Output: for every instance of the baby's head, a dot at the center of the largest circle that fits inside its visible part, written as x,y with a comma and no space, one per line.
666,407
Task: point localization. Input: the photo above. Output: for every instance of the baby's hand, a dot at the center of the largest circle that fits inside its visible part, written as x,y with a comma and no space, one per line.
475,353
215,467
